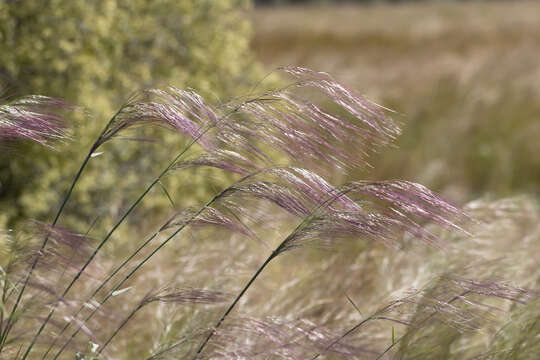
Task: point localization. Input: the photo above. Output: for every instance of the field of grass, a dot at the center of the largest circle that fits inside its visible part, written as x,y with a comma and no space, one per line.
277,263
463,77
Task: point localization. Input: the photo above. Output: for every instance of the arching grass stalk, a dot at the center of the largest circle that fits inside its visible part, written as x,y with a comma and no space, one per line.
131,314
137,267
156,181
118,268
60,279
110,233
103,283
394,343
166,296
389,347
97,143
277,251
158,354
128,276
373,316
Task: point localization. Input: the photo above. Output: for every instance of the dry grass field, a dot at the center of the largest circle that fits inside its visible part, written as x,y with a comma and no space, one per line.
464,79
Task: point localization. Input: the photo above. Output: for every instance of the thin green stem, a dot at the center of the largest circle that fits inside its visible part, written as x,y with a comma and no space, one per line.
374,316
167,194
163,243
394,343
274,254
168,348
93,148
389,348
44,243
137,308
235,301
4,300
73,251
103,283
157,181
109,234
351,330
136,268
348,331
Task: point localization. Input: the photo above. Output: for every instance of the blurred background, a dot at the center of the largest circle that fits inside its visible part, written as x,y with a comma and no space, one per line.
96,54
462,76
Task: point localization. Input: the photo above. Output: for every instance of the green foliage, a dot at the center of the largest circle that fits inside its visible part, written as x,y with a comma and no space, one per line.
95,54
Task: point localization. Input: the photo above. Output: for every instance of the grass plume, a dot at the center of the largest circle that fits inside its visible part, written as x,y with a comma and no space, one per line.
278,148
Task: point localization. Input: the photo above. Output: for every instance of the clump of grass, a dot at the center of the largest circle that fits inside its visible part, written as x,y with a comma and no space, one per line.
62,293
37,118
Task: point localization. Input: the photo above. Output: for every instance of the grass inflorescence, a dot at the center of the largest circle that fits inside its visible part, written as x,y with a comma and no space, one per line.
237,276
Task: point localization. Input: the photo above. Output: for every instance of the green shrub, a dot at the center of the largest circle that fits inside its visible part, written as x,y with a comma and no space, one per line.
95,54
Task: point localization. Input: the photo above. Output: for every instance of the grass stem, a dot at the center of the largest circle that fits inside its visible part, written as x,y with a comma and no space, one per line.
135,269
274,254
110,233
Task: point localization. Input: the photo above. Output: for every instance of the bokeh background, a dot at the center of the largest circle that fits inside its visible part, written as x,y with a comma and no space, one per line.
462,76
95,55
